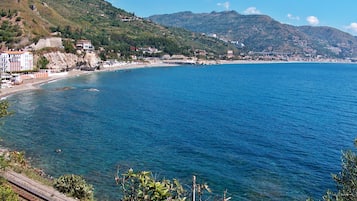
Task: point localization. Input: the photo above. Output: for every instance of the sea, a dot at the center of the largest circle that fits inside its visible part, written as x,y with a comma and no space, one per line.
259,131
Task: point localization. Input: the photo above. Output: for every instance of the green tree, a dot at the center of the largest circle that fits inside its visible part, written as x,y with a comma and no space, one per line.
42,62
75,186
346,180
69,47
141,186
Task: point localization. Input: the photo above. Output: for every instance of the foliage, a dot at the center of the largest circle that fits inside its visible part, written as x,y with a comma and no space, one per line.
4,106
138,186
108,27
3,163
69,47
75,186
6,193
346,180
9,33
18,158
42,62
261,33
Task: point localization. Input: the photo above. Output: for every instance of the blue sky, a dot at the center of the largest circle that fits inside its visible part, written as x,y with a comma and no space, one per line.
340,14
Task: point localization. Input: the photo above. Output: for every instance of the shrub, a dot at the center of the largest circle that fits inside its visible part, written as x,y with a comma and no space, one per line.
6,193
4,106
75,186
346,180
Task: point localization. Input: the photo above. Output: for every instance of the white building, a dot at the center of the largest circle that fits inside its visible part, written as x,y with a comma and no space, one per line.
85,45
16,61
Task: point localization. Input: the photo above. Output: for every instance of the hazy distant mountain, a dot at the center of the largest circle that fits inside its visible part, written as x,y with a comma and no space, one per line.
261,33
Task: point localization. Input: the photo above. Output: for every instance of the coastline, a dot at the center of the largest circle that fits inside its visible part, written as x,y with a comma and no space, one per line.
35,83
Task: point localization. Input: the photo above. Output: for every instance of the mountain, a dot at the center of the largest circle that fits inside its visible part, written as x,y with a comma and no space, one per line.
261,33
117,31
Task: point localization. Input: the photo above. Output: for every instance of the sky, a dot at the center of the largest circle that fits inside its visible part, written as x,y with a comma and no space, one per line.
340,14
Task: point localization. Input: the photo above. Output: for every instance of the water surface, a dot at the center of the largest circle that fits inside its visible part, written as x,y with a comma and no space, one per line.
263,131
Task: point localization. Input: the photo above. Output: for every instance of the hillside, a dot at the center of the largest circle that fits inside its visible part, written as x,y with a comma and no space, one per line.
113,29
261,33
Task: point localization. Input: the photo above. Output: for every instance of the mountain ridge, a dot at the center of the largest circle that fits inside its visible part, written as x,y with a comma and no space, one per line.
261,33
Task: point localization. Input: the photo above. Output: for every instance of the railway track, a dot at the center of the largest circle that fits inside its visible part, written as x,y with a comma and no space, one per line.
30,190
24,195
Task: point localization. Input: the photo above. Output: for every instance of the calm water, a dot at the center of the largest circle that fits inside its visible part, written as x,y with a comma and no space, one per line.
264,132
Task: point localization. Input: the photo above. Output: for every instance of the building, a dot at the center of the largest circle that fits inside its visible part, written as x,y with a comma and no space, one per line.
85,45
16,61
230,54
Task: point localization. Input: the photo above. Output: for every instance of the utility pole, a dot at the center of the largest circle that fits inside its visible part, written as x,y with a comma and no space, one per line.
194,188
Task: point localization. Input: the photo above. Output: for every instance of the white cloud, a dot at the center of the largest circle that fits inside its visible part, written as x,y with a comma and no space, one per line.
252,11
352,27
292,17
312,20
225,5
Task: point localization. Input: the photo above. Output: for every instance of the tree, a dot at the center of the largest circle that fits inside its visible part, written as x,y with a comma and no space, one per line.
42,62
75,186
69,47
141,186
346,180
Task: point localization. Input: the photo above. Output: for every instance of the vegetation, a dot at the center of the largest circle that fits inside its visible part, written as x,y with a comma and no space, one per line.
346,180
42,62
69,47
6,192
114,30
142,186
9,33
261,33
75,186
4,106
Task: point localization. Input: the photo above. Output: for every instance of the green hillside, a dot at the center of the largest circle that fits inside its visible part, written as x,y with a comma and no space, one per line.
261,33
113,29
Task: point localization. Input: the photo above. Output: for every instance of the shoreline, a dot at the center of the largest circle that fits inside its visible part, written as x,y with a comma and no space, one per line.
34,84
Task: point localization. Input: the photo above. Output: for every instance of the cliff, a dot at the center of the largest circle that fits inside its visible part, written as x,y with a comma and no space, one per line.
59,61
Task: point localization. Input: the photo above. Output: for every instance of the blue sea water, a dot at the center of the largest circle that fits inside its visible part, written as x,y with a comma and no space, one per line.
261,131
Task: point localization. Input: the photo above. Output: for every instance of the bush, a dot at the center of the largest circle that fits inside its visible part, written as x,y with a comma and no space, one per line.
4,106
6,193
75,186
142,186
42,62
346,180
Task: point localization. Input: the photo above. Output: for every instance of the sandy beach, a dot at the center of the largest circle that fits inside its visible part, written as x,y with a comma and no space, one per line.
34,84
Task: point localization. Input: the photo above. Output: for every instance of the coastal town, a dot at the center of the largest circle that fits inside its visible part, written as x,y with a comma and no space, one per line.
251,103
21,67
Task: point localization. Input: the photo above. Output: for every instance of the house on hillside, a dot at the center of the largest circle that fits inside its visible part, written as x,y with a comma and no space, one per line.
149,50
230,54
16,61
85,45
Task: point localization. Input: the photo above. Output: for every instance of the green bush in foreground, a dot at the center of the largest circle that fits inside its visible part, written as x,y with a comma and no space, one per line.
346,180
142,186
6,193
74,186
